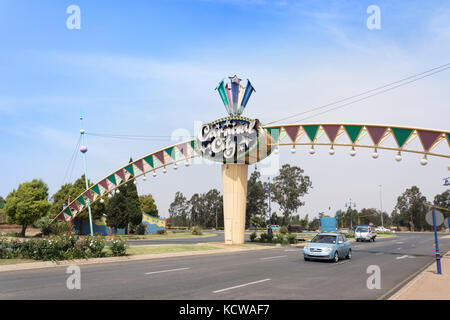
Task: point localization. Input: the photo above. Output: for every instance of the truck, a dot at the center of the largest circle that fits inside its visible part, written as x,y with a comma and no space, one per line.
365,233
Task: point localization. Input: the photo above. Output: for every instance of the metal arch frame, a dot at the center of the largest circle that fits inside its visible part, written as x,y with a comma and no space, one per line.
444,135
75,213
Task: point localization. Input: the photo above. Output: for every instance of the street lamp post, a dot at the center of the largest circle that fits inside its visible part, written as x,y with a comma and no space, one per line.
349,205
270,208
381,206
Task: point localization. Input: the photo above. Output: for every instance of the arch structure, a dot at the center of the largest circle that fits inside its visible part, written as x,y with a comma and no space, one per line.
280,135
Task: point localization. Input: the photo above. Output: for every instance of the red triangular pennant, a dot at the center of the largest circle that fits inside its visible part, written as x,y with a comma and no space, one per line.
331,131
160,156
292,132
140,165
376,133
427,138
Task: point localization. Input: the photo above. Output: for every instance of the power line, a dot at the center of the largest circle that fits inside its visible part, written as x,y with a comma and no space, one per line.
372,95
426,73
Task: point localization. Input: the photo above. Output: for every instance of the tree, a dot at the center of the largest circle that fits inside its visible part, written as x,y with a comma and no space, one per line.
411,210
148,205
116,210
179,211
214,207
70,192
288,188
314,224
442,200
256,198
27,204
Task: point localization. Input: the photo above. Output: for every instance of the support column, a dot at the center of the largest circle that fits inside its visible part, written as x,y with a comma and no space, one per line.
234,186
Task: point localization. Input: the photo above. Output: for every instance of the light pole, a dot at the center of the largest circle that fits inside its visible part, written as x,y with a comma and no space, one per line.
270,208
83,150
349,205
381,206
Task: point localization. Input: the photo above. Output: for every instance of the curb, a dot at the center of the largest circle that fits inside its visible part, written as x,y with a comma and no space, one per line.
408,281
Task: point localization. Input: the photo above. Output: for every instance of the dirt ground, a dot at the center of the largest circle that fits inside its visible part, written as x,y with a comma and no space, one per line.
4,229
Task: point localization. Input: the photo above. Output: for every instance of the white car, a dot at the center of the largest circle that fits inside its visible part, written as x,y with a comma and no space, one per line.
365,233
382,229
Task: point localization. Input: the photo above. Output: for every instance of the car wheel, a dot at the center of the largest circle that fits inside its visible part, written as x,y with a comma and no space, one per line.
349,254
306,259
336,257
373,239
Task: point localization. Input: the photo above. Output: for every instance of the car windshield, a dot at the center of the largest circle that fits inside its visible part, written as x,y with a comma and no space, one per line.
324,239
362,230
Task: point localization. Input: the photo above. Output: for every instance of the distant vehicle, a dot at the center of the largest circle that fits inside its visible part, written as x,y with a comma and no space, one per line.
345,230
295,228
365,233
382,229
328,246
275,228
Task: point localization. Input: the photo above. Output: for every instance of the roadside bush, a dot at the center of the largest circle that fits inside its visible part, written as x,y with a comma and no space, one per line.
60,228
118,247
278,238
161,231
263,237
140,229
349,235
291,239
253,236
284,230
196,230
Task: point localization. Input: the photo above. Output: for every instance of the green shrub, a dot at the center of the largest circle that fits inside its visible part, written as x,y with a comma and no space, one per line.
263,237
60,228
196,230
284,230
279,238
118,247
140,229
253,236
349,235
291,239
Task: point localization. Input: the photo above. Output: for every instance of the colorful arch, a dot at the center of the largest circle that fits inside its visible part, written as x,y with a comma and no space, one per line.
280,135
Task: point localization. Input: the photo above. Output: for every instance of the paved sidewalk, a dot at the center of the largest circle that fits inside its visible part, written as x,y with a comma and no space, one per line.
428,285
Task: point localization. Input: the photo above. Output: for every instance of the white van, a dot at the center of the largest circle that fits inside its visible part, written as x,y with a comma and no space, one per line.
365,233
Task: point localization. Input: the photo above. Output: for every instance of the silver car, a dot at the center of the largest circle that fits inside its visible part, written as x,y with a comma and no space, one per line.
328,246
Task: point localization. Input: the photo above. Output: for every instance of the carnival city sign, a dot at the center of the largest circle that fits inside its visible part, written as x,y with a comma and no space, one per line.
234,139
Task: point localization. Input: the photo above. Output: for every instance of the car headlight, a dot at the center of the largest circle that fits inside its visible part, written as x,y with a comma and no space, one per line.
328,249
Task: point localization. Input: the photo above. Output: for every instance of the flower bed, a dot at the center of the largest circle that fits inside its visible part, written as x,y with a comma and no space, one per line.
59,248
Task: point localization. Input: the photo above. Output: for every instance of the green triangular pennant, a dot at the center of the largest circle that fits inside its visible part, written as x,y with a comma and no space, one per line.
67,211
81,200
149,160
274,133
311,131
130,169
171,152
401,135
353,132
193,144
112,178
96,189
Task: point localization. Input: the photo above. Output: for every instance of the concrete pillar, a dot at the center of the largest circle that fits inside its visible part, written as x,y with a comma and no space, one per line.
234,186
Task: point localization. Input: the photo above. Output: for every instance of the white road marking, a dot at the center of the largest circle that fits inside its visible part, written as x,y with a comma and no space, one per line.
399,248
402,257
400,242
291,250
241,285
379,253
170,270
273,257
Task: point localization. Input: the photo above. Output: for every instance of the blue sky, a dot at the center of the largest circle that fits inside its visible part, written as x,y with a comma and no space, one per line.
150,67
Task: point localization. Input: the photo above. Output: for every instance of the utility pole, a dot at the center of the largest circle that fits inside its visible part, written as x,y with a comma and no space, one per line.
381,206
349,205
270,208
83,150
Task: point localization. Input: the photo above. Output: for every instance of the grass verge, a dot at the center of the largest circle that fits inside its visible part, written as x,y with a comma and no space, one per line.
169,248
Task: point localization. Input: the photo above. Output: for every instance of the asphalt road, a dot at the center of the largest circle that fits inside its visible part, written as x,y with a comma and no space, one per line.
279,273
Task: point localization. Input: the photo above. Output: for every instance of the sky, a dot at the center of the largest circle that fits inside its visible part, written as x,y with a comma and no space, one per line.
150,68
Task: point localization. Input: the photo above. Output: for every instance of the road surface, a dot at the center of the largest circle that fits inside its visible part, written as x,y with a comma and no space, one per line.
279,273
